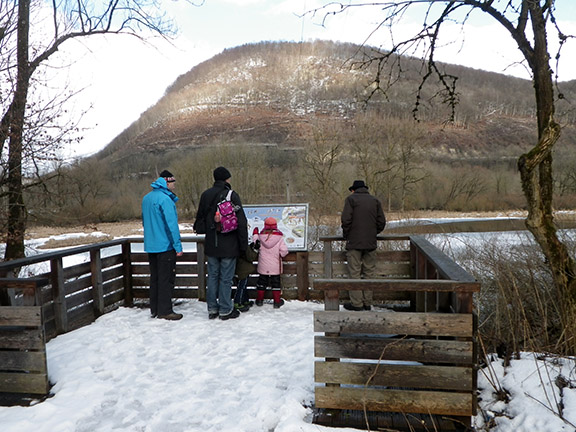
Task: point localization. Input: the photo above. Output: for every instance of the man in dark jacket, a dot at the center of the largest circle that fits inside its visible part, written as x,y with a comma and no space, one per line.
362,220
222,249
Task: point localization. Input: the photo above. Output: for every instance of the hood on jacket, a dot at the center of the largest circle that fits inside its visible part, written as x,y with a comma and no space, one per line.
269,239
161,185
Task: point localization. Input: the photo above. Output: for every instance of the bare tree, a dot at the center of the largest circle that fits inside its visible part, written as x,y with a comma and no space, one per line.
20,59
528,23
322,156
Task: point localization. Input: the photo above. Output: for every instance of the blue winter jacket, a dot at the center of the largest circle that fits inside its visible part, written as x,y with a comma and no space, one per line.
160,219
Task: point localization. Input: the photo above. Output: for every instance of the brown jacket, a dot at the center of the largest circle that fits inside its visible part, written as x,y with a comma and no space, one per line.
362,220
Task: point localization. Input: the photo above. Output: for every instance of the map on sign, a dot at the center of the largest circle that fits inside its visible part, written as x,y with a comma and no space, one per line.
292,220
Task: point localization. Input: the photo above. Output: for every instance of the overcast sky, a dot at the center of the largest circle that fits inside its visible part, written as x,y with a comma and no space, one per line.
122,77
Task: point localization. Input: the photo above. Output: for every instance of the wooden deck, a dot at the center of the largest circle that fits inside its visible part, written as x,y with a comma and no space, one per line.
377,370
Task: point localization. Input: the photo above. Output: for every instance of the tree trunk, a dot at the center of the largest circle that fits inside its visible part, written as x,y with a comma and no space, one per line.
16,209
538,186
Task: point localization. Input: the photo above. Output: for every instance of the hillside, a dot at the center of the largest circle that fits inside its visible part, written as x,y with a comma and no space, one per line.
276,92
293,123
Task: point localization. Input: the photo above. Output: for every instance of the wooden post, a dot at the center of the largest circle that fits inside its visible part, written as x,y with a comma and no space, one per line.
127,264
97,284
327,259
302,281
201,258
59,295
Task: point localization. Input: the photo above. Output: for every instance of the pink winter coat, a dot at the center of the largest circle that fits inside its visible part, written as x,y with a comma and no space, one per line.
272,249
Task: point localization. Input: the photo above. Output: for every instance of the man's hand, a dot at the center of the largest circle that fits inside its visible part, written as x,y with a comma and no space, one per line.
179,254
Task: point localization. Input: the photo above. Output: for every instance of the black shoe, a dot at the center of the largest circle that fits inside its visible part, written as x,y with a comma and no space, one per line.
213,315
350,307
171,316
231,315
259,302
279,304
367,307
241,308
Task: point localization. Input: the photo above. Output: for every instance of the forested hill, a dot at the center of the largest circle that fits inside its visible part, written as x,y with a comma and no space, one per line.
276,93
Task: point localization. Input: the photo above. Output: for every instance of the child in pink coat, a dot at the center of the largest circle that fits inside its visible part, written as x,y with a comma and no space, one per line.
272,249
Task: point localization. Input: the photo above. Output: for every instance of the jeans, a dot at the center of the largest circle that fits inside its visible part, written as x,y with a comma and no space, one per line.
219,285
162,279
241,296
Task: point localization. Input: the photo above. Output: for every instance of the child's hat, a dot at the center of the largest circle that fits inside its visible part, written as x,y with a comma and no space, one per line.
270,223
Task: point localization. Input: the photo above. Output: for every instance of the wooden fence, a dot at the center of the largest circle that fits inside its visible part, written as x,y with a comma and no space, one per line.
73,287
423,361
23,367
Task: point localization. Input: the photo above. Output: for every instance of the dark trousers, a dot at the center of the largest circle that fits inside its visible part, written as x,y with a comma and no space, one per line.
162,279
272,281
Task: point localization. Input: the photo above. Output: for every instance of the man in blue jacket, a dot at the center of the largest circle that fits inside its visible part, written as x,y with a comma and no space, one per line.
162,242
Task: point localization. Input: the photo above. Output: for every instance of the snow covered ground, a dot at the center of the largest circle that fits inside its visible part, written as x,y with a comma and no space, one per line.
129,372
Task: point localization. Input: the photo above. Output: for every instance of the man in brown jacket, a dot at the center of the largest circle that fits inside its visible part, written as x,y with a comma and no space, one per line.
362,220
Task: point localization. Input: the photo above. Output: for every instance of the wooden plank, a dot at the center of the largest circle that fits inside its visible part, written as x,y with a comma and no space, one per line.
406,323
387,421
81,316
444,265
79,298
183,281
97,282
374,348
396,375
201,271
397,285
112,273
327,259
73,286
331,300
57,279
24,361
405,401
28,316
77,270
112,261
113,286
114,298
127,277
383,269
28,339
22,283
49,256
302,281
24,383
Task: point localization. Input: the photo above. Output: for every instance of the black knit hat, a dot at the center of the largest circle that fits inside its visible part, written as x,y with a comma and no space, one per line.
221,173
168,176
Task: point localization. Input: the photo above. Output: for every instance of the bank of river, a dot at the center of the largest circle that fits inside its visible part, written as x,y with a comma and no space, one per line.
434,226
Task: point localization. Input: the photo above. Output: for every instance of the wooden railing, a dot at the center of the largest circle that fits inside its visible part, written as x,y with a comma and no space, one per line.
23,367
422,360
75,286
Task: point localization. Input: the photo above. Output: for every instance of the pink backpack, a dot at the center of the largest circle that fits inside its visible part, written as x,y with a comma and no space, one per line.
227,210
